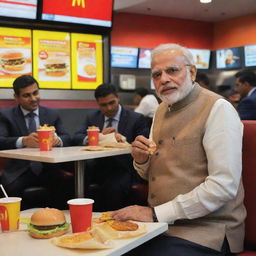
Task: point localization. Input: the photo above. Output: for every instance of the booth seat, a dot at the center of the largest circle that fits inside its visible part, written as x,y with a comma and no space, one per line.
249,181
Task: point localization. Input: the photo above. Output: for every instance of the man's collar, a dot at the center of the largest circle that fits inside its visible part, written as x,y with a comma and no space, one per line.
251,91
25,112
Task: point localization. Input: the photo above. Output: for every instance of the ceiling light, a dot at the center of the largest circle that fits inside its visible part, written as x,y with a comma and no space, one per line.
205,1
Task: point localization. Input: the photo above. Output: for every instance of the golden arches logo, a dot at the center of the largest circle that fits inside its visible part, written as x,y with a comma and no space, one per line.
78,3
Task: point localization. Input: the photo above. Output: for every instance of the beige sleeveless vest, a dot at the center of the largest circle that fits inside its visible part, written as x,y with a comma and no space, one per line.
180,164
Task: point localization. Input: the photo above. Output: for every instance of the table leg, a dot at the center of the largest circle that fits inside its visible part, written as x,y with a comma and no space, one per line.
79,178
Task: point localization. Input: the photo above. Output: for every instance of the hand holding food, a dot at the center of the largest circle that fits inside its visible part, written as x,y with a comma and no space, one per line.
31,141
46,223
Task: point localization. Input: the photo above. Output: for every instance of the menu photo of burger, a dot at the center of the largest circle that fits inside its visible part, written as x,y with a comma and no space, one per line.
15,61
55,69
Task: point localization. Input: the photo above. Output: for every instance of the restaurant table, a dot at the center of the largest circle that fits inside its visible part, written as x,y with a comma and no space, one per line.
19,243
64,154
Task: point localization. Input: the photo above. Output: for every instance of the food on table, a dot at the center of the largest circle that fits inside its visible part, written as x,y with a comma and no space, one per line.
95,148
47,223
152,148
123,225
93,128
12,61
119,229
92,239
56,67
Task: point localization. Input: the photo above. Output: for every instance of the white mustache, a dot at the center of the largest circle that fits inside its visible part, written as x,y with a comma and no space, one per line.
167,87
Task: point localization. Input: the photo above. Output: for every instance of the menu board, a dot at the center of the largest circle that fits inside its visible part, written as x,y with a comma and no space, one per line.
201,58
87,61
15,54
145,58
250,55
51,58
18,8
228,58
124,57
96,12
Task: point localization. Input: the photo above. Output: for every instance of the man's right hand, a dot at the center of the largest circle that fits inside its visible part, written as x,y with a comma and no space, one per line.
140,148
31,141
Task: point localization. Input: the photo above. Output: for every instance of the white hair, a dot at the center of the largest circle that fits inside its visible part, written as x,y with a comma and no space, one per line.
168,47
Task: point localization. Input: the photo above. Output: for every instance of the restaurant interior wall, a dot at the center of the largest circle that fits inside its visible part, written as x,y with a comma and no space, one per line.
135,30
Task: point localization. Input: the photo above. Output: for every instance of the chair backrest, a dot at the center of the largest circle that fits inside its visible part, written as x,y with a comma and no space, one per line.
249,180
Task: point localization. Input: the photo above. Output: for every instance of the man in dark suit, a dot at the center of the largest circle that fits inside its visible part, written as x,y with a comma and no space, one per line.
246,87
115,175
18,130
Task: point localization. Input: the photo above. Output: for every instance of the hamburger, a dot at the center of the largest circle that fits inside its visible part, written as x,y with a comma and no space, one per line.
152,148
12,61
55,67
47,223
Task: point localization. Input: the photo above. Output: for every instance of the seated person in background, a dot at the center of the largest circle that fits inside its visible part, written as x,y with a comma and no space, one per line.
195,173
147,103
18,130
203,80
246,87
115,175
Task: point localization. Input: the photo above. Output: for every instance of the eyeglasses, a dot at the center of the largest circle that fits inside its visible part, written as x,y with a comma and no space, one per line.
171,71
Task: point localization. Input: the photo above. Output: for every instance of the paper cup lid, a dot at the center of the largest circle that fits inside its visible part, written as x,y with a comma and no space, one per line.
80,201
10,199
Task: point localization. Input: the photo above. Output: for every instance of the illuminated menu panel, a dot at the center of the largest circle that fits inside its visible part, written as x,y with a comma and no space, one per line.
228,58
88,12
201,58
124,57
15,54
87,61
51,59
145,58
18,8
250,55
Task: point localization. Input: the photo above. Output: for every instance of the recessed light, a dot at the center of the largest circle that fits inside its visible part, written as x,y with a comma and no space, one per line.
205,1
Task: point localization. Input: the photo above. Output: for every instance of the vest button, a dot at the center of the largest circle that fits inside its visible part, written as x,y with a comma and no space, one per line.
152,196
157,153
153,178
160,142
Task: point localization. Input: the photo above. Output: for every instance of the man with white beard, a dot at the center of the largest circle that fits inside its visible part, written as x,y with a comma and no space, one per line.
194,175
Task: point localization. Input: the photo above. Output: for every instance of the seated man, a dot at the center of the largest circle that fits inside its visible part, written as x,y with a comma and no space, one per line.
18,129
115,175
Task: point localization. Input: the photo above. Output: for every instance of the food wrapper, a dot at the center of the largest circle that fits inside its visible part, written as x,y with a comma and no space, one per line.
109,141
93,239
112,233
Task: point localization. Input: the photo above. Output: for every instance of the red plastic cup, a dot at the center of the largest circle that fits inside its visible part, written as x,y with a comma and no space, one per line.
80,210
45,139
93,136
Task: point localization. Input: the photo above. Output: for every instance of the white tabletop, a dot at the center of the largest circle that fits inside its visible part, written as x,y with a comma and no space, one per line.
59,155
19,243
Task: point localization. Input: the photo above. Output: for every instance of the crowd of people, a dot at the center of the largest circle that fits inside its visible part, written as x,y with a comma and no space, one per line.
193,176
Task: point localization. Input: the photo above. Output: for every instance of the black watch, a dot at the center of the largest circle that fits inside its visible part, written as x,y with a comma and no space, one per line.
154,214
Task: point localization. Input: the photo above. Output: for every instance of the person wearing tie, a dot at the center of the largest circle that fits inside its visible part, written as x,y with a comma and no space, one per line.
115,175
18,127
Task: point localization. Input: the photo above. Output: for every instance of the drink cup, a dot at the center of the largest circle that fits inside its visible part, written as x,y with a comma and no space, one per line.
9,213
93,136
81,214
45,139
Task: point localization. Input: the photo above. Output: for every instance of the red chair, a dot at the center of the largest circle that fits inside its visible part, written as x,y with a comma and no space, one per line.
249,180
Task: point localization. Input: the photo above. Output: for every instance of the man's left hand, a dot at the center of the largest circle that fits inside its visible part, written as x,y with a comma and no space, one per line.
134,212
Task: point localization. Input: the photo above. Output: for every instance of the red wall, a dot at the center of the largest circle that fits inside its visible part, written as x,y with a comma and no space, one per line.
235,32
148,31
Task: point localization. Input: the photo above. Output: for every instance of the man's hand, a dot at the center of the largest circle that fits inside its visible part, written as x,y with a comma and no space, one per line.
108,130
56,142
134,212
31,141
140,148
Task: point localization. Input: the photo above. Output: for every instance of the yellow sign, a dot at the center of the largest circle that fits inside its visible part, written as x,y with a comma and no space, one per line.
51,56
15,44
78,3
87,61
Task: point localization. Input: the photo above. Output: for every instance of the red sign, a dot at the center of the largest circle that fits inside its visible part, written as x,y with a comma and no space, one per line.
91,9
